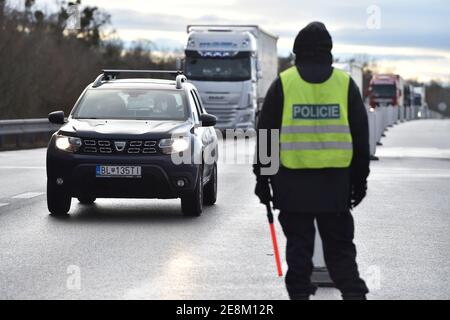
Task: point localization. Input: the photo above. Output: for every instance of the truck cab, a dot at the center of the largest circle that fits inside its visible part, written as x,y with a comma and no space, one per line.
232,67
418,96
386,90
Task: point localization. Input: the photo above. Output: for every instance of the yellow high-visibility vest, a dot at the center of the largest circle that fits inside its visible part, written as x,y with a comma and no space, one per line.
315,131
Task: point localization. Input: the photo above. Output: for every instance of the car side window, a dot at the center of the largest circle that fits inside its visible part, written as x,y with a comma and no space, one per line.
197,96
194,107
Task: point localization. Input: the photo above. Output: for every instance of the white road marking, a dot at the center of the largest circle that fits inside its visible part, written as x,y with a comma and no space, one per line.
3,204
408,173
387,177
21,167
402,152
27,195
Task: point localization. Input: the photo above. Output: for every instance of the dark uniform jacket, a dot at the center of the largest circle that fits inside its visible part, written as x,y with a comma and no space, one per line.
317,190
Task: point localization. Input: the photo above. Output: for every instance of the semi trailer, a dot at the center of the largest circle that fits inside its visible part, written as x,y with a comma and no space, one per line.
354,70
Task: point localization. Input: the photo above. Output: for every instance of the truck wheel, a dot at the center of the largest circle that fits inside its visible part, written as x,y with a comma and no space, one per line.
58,199
86,200
210,189
192,205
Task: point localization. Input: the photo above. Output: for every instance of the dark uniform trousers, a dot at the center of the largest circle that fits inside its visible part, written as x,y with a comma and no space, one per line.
336,231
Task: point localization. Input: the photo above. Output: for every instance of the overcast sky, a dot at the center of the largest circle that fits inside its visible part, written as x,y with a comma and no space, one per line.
410,37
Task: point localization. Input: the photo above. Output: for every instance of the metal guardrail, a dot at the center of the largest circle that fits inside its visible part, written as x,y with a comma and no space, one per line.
24,132
381,118
21,126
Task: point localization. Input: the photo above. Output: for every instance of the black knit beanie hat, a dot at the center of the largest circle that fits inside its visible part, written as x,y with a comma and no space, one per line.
313,43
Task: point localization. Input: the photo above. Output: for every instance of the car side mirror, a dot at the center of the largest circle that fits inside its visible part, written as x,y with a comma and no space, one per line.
259,75
208,120
56,117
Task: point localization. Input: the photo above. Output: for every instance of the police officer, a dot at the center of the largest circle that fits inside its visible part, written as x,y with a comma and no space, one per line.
324,163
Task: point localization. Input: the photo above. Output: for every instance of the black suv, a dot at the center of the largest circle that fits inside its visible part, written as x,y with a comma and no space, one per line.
133,138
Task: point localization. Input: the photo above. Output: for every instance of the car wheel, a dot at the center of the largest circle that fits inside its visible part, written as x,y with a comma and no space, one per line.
58,199
210,189
86,200
192,204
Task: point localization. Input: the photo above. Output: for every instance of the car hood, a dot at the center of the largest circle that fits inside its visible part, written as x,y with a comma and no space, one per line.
125,128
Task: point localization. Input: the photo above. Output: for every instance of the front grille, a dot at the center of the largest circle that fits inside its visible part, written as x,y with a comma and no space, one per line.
133,147
223,114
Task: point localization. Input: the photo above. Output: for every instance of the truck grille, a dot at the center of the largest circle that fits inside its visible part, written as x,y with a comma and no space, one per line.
103,146
224,115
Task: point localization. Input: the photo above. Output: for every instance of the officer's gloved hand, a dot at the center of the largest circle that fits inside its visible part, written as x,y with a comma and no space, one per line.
262,190
358,193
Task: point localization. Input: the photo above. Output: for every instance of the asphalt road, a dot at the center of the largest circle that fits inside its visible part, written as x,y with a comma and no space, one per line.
146,249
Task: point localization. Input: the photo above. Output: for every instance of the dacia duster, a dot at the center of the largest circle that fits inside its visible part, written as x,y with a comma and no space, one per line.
133,138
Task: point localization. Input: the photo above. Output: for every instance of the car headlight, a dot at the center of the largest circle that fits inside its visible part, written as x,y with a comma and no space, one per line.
69,144
176,145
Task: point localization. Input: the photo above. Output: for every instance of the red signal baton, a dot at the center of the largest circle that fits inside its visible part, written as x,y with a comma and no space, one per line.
274,240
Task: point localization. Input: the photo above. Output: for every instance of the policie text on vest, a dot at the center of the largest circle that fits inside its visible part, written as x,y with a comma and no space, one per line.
316,111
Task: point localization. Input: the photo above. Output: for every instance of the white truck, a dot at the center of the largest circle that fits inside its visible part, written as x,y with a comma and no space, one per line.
419,96
354,70
232,66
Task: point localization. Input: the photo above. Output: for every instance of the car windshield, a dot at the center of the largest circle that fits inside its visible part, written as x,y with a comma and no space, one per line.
383,90
218,69
139,104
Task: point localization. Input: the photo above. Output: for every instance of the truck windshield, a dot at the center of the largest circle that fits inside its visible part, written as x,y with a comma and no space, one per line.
138,104
218,69
383,90
417,100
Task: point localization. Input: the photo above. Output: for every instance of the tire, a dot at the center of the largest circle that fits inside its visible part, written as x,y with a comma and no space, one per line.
58,199
192,205
210,189
86,200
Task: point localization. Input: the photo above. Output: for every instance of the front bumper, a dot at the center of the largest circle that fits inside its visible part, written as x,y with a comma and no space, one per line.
158,177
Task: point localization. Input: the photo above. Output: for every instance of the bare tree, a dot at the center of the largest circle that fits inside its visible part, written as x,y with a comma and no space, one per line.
44,67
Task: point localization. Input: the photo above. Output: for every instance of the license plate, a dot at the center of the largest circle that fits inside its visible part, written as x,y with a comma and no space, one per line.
118,171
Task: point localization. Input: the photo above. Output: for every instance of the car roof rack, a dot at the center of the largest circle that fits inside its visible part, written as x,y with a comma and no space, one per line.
110,74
